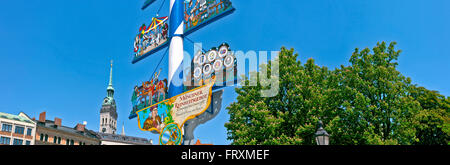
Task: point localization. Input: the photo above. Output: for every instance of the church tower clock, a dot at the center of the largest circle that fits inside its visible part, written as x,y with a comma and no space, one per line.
108,112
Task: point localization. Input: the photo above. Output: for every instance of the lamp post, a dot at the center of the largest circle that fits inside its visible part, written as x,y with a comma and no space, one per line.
322,137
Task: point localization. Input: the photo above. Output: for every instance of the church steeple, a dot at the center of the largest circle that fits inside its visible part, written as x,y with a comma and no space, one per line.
108,112
110,89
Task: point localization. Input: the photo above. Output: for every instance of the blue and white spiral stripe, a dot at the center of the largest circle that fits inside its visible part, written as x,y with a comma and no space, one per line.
176,50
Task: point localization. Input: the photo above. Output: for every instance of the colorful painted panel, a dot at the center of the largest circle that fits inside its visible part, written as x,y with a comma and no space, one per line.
199,13
151,39
171,135
149,93
177,110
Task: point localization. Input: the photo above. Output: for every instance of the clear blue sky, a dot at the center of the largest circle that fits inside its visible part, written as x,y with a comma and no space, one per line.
54,55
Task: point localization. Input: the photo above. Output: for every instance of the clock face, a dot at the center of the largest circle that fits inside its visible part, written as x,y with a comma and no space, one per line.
106,100
104,130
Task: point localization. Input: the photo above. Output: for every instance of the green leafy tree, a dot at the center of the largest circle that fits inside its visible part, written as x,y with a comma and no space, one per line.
368,102
432,127
290,116
376,106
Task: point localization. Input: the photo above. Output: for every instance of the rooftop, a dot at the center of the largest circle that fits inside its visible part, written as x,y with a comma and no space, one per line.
51,125
123,139
15,117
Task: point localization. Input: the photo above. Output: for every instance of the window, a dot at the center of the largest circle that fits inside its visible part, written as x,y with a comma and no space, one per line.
29,130
42,137
55,139
18,142
45,137
71,142
27,142
6,127
5,140
67,142
19,130
59,140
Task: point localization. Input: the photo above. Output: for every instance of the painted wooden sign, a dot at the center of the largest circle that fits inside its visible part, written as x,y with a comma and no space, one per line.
149,93
219,63
176,110
151,39
199,13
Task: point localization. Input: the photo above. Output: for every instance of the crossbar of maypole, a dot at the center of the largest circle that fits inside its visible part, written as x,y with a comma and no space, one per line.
176,50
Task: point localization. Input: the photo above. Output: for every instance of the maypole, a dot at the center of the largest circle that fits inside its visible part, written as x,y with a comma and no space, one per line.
176,50
164,107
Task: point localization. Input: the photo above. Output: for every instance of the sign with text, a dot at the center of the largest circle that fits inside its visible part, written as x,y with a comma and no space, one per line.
176,110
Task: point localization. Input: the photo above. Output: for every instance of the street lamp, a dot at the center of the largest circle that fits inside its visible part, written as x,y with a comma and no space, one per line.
322,137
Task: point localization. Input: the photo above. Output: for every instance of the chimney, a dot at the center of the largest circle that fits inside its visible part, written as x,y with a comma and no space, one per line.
58,121
80,127
42,117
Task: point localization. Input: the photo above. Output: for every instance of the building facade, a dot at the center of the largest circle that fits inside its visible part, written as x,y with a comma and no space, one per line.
50,132
17,129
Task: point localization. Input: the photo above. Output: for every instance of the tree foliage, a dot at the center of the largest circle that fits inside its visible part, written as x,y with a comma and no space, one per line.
368,102
433,120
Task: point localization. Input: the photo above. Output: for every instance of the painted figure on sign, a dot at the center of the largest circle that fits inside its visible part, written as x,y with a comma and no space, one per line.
192,9
210,9
146,93
153,121
137,42
150,92
156,77
202,5
151,38
202,9
145,41
195,7
134,98
157,37
165,29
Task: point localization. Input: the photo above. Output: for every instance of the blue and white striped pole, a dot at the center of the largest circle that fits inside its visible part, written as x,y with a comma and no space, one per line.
176,50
